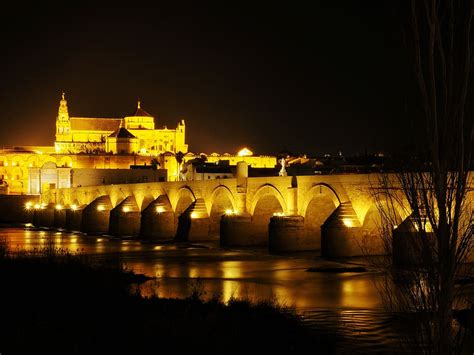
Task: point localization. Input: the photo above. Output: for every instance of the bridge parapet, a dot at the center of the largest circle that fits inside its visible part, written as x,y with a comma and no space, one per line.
249,202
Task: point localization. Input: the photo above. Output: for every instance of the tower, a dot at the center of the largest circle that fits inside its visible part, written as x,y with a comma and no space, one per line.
63,127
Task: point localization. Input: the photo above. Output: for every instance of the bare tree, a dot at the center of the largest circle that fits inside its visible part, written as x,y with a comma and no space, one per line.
432,189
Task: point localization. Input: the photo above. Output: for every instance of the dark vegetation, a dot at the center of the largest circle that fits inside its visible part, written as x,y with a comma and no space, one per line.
53,302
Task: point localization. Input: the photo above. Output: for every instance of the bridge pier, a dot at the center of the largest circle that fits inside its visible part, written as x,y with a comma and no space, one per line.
193,224
235,229
60,217
96,215
407,244
158,220
342,234
287,233
74,218
125,218
43,216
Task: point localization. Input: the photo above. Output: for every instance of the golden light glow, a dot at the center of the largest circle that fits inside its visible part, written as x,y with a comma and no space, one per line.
194,215
126,209
100,208
70,164
348,222
59,207
229,212
245,152
37,206
160,209
279,214
74,207
28,205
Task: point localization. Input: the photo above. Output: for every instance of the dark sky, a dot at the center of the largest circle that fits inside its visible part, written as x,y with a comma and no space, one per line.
309,79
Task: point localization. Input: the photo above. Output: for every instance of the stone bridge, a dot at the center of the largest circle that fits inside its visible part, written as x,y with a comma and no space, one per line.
329,212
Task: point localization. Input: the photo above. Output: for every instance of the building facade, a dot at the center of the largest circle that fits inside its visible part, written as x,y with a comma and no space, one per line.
134,134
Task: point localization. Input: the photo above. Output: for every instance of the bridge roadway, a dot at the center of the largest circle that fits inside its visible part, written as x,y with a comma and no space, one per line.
335,213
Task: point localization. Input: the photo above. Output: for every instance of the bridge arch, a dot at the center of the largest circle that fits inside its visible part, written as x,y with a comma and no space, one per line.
184,197
264,192
266,202
383,209
221,199
319,203
319,189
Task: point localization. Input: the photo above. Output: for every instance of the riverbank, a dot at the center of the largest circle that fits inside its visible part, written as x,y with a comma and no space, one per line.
58,303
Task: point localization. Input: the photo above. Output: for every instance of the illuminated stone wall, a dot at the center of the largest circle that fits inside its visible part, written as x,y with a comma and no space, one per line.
314,198
254,161
88,134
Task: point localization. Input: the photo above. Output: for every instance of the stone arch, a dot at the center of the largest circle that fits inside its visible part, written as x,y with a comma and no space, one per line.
315,190
221,200
319,203
267,201
158,219
49,165
144,201
184,198
92,195
33,161
62,199
65,162
383,207
264,191
49,159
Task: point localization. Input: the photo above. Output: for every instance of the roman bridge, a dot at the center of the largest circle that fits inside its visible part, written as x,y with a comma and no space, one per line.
288,213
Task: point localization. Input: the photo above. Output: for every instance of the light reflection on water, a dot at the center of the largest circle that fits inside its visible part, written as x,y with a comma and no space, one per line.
347,300
252,274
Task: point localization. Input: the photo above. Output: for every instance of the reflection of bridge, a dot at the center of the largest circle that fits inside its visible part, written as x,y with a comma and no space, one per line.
299,208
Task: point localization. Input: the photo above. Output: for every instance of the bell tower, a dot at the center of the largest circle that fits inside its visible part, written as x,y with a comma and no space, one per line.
63,127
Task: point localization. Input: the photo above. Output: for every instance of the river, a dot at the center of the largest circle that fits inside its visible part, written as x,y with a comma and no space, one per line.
346,303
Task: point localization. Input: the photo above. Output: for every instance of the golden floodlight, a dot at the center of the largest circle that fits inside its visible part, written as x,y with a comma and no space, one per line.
229,212
74,207
347,222
245,152
28,205
126,209
100,208
160,209
194,215
59,207
37,206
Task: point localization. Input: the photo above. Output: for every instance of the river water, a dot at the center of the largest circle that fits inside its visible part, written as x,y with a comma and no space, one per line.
347,304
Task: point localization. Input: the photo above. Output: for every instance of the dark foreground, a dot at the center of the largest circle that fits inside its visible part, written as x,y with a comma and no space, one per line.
57,303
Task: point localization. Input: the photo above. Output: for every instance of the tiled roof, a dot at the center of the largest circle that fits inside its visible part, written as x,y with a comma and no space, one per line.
141,113
122,133
95,124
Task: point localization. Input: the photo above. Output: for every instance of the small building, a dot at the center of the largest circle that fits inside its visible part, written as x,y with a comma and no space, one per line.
121,141
199,170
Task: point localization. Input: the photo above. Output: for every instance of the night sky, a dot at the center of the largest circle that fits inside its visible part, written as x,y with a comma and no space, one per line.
309,80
